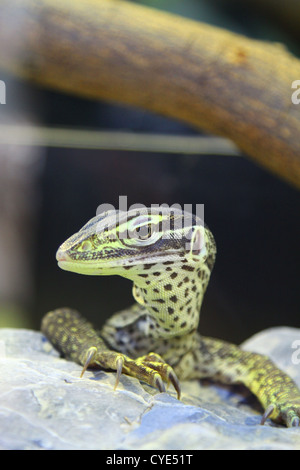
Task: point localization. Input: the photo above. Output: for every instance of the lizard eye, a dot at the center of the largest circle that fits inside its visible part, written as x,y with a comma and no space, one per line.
144,232
144,235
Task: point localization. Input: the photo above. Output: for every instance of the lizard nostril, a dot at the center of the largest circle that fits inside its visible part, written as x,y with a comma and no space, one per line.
61,255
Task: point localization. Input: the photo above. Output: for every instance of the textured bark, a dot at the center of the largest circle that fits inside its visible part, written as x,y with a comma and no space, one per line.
215,80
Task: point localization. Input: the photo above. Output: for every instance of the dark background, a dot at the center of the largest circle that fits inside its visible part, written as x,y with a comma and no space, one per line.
254,216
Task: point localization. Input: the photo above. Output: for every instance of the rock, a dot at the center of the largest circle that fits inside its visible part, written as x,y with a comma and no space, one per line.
45,405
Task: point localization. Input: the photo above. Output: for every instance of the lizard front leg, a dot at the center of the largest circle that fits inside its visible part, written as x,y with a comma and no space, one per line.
227,363
76,339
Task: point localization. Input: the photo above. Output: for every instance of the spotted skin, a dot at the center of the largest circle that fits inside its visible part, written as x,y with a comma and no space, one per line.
170,265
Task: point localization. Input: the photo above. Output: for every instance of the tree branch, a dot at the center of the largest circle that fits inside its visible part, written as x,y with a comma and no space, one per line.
212,79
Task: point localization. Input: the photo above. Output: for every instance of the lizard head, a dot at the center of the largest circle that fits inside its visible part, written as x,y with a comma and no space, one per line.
166,252
119,242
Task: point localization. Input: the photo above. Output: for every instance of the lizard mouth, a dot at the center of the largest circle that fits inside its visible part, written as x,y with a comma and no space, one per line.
67,263
81,267
63,260
108,266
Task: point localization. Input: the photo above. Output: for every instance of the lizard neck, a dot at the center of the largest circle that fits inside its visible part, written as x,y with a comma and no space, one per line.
172,293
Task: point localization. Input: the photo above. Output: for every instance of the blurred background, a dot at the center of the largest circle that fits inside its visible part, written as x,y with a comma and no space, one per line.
47,192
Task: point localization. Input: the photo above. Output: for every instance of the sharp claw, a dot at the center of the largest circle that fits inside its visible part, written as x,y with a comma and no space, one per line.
159,383
119,368
267,413
295,422
175,382
91,352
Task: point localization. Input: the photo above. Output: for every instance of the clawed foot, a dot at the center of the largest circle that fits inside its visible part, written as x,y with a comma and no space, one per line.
284,404
151,369
286,413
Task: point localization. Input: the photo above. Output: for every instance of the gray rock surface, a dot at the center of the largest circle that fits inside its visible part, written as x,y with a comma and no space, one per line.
45,405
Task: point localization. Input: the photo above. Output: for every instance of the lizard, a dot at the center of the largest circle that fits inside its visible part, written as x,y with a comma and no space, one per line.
169,257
